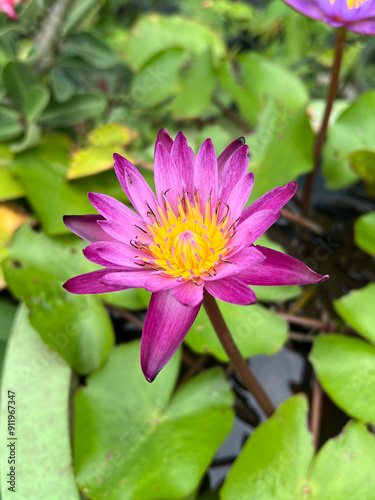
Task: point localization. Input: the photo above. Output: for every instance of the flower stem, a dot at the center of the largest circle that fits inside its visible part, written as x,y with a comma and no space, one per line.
321,137
235,356
48,36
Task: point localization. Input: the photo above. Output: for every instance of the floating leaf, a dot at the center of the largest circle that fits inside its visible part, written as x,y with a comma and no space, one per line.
196,89
41,383
352,131
148,445
276,461
7,313
31,138
357,309
344,467
42,172
155,33
11,218
18,80
255,330
10,187
37,101
265,79
112,134
91,49
75,326
92,160
281,147
21,85
63,88
76,110
345,367
10,124
97,158
364,232
159,79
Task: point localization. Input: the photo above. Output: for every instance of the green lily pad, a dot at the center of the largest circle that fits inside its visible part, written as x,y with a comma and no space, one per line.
357,309
364,232
41,382
281,152
277,461
98,157
259,75
345,466
345,367
155,33
42,172
7,312
77,109
10,187
352,131
196,89
11,125
75,326
255,330
136,441
159,79
363,162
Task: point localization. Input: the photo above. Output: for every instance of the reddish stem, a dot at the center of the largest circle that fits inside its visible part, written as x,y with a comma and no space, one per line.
321,137
235,356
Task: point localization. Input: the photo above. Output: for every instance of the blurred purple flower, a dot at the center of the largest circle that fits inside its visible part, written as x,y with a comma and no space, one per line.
354,15
8,7
193,237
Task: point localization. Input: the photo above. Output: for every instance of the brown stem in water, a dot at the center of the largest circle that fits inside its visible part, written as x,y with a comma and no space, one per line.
321,137
235,356
316,408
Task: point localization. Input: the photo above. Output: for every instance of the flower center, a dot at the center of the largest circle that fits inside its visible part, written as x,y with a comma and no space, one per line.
188,244
352,4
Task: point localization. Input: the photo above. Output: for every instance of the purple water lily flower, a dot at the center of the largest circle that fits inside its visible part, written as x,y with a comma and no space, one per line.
190,238
354,15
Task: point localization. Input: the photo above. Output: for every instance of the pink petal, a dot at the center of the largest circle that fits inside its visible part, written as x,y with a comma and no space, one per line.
166,325
231,290
136,188
87,227
184,159
227,153
91,283
233,171
168,179
206,173
124,231
364,27
147,279
189,294
273,200
113,254
253,227
239,260
110,208
239,196
164,138
308,7
280,269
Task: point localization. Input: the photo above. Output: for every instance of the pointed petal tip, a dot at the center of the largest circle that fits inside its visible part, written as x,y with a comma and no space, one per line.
117,156
324,278
243,140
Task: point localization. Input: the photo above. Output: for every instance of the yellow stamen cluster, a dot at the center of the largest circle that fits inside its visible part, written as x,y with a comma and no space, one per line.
188,244
352,4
